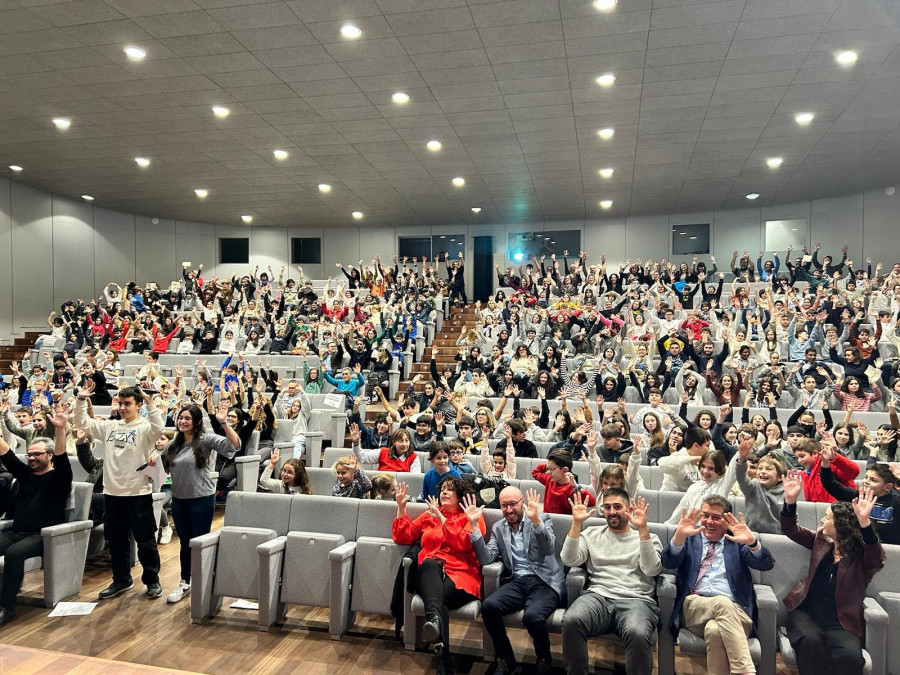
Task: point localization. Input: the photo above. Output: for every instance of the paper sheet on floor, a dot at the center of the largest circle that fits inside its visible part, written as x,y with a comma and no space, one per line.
244,604
73,608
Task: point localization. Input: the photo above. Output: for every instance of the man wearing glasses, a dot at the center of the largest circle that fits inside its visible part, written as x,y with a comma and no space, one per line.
715,595
532,578
40,501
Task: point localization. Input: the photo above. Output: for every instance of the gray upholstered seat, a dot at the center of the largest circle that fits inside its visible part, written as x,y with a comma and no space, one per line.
225,562
308,565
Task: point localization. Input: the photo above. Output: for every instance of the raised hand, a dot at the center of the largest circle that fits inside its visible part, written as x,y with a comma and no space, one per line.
354,434
580,511
637,513
401,494
688,525
862,506
273,460
60,418
740,532
472,510
793,486
533,505
434,507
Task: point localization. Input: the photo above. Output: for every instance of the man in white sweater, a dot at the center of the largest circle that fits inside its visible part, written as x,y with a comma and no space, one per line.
127,446
621,595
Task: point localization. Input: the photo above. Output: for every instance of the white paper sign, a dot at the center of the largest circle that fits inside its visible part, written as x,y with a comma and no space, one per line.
73,609
334,400
244,604
156,473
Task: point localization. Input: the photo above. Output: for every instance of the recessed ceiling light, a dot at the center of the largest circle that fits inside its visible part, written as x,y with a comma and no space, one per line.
135,53
793,229
753,195
220,111
606,133
682,233
202,194
606,203
351,32
692,237
605,5
400,97
847,58
357,214
280,154
142,162
443,236
87,198
476,209
324,187
434,146
459,181
607,172
62,122
606,80
804,118
247,219
774,162
15,167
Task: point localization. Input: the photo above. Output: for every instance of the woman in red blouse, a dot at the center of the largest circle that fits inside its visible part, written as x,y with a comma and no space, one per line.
449,575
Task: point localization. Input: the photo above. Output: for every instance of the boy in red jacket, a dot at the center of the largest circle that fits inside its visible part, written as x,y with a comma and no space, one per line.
559,483
844,470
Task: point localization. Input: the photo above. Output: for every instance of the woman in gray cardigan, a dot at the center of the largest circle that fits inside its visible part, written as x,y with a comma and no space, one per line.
186,458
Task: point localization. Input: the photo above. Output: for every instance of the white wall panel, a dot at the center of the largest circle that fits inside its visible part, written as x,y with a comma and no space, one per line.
196,243
115,252
344,245
157,257
32,261
73,250
834,229
6,273
606,236
310,271
647,237
740,230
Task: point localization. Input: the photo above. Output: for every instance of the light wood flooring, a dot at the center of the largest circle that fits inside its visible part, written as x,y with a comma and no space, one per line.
131,629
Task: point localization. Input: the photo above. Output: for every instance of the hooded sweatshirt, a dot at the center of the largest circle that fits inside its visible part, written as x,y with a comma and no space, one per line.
762,506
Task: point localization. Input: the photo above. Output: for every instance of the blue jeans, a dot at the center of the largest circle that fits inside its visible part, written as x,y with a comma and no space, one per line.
192,517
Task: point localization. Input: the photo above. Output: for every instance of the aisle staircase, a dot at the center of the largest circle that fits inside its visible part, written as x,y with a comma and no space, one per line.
445,341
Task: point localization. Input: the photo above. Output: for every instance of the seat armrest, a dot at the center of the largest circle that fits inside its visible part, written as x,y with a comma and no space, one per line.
248,459
66,528
207,540
766,627
665,586
345,551
575,581
877,622
491,576
272,546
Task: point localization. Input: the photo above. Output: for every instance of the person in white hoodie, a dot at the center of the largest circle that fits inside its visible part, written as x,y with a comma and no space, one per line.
128,444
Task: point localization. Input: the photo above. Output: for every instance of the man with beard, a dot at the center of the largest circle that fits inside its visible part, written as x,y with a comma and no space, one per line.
40,501
532,578
622,568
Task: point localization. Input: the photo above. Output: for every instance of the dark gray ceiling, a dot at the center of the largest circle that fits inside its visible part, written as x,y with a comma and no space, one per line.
705,92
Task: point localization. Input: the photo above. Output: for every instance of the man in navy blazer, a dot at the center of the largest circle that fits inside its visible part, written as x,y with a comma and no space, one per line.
532,577
715,590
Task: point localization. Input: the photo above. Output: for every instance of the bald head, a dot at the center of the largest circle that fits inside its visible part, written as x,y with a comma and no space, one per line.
512,504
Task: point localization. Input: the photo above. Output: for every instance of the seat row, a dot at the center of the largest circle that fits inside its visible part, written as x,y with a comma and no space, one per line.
338,553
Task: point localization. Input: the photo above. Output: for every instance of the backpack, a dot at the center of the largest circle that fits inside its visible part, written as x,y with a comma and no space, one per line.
486,488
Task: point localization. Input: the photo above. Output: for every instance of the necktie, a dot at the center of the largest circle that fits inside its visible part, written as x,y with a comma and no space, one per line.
705,564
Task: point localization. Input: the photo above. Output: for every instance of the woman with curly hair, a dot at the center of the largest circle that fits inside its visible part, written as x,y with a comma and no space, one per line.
449,575
825,610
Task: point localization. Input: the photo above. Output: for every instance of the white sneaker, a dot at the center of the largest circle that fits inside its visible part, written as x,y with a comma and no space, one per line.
165,534
184,589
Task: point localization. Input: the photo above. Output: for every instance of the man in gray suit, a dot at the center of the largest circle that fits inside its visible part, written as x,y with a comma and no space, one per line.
532,578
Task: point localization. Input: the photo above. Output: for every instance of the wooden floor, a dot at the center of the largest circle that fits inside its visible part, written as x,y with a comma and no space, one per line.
135,630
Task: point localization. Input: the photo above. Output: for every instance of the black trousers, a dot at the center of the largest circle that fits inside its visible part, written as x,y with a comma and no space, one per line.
439,594
16,548
133,515
458,291
823,651
539,601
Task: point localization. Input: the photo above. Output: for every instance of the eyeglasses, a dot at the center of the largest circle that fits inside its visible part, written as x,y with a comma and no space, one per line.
35,455
511,505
